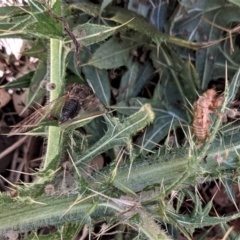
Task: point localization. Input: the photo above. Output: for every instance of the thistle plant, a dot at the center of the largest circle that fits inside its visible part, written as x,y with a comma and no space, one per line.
141,191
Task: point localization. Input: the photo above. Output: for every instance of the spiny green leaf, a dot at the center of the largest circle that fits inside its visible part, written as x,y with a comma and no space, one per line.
104,4
45,27
22,82
9,11
210,17
88,33
237,2
36,7
111,54
100,83
138,23
37,50
35,90
128,82
234,85
150,228
228,184
118,134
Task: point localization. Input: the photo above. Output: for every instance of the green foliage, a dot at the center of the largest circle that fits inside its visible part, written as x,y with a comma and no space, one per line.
148,80
210,61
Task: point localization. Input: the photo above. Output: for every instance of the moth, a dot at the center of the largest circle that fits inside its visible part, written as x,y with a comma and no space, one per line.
206,104
79,103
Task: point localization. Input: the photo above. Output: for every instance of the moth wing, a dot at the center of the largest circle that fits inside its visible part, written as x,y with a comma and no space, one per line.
51,109
93,106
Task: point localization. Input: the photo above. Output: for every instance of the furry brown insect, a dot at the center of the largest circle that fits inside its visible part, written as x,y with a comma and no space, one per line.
206,104
75,102
66,107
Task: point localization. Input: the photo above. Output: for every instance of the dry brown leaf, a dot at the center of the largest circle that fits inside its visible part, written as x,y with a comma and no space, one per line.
95,164
19,101
5,97
2,69
220,196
